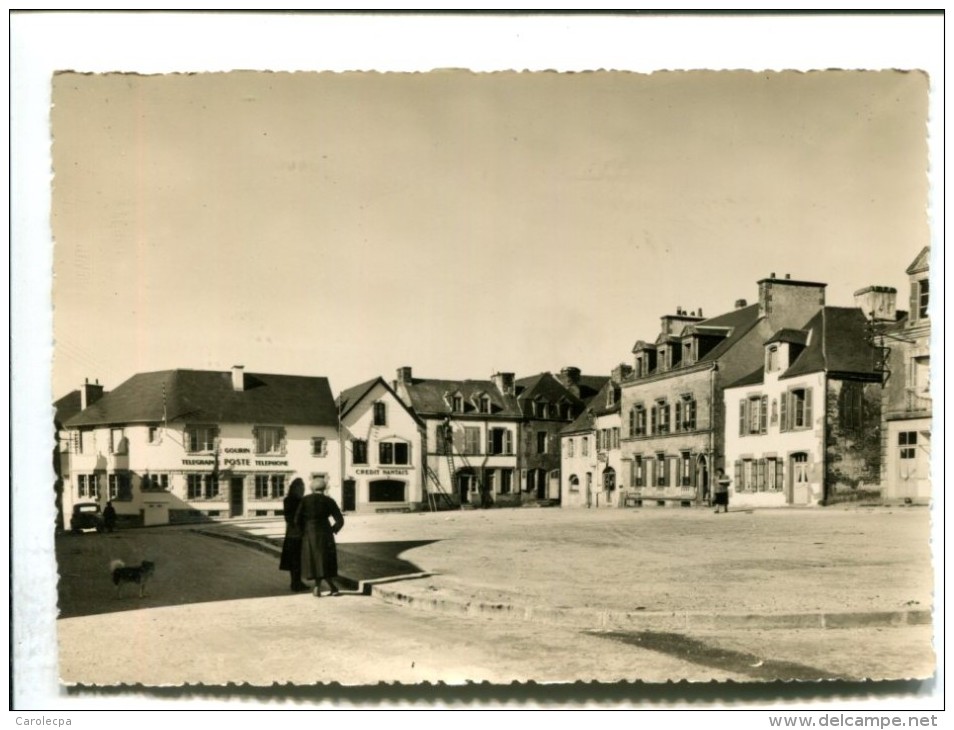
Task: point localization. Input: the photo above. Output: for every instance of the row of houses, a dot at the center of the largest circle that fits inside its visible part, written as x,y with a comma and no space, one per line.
800,402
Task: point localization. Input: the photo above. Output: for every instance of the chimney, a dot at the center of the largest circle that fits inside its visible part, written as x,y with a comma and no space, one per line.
739,303
621,372
570,375
238,377
90,393
504,382
788,302
404,375
878,303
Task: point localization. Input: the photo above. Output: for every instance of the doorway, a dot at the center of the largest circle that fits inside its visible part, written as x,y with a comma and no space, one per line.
702,479
236,496
348,495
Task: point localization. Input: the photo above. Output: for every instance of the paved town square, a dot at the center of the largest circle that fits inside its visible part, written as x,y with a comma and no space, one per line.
523,594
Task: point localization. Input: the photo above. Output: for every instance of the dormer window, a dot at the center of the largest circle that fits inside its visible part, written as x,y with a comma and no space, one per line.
483,404
611,397
661,360
771,359
457,403
687,352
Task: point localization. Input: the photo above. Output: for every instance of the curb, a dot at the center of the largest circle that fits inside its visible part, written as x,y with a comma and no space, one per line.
605,620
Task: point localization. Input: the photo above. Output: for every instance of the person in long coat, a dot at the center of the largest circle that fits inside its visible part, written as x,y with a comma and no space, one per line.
291,547
721,492
319,555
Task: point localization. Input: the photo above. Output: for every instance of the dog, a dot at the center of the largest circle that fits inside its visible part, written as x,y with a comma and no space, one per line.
132,574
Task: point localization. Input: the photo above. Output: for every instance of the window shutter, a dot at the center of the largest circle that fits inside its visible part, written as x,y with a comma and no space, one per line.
653,419
692,473
490,441
692,414
760,475
678,416
763,415
914,308
783,419
508,441
742,417
808,407
738,475
779,474
458,440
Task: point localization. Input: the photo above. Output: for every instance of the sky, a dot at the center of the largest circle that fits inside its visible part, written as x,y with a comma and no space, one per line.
460,223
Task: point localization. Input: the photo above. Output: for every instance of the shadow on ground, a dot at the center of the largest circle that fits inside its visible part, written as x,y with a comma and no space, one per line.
195,568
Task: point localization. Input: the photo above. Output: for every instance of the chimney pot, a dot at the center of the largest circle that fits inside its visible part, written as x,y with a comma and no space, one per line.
739,303
788,276
772,275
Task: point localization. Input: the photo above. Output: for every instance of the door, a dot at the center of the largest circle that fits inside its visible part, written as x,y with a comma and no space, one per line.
348,495
464,480
236,497
798,486
541,481
702,479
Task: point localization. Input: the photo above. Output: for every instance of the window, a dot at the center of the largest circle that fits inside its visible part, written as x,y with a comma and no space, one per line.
483,404
539,409
506,481
269,440
380,414
796,409
153,434
87,486
154,483
471,440
394,452
774,475
907,445
269,486
574,483
919,375
615,437
444,438
319,446
541,442
87,443
499,441
923,298
661,363
686,414
585,442
753,415
570,448
609,479
638,478
120,486
771,359
687,352
200,438
800,468
117,442
637,421
359,451
851,406
660,418
685,468
204,486
457,404
386,490
662,472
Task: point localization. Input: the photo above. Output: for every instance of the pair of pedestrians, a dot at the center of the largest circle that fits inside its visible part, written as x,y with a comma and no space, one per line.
311,524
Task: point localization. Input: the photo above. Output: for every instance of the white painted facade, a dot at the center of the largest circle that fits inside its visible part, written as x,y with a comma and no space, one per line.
166,473
772,466
383,454
579,469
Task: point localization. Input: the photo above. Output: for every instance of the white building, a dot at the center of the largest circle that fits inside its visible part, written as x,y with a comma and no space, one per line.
180,445
383,447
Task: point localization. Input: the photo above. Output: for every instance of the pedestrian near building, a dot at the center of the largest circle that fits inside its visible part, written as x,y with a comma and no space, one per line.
721,492
109,517
291,547
319,555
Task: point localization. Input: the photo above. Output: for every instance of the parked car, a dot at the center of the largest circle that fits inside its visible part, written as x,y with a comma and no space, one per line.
86,516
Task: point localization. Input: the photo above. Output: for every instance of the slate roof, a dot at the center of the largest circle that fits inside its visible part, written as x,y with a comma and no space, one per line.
586,421
756,377
739,321
837,345
350,397
921,262
428,397
67,406
796,337
207,396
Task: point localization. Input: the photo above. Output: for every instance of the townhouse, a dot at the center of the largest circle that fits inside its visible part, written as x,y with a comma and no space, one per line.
907,403
804,428
590,449
673,416
383,450
180,445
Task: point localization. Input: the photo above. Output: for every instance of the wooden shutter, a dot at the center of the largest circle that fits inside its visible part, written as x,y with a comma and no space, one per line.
691,416
760,475
783,417
678,416
742,417
808,407
914,307
763,415
738,475
652,414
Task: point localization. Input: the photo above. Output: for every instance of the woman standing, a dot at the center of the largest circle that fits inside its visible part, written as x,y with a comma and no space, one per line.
291,547
319,556
721,492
